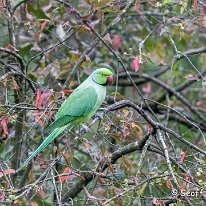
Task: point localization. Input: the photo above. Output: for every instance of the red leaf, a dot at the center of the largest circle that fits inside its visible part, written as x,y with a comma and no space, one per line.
187,177
46,95
43,26
72,10
126,132
148,88
149,127
183,155
3,196
7,172
155,201
37,119
28,15
169,184
66,177
116,42
136,64
38,98
4,125
42,194
195,5
102,180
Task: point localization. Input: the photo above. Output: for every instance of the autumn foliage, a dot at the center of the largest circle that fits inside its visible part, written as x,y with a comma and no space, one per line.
146,145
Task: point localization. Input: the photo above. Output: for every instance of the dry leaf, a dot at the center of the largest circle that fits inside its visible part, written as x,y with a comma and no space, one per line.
91,197
11,48
34,204
7,172
137,6
191,77
107,38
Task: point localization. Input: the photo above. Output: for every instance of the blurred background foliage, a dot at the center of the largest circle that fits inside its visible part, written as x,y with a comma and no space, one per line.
161,45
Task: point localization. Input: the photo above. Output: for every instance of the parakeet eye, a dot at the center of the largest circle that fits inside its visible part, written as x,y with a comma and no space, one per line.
102,74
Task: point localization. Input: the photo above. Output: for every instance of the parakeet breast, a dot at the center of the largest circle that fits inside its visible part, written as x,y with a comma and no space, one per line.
101,94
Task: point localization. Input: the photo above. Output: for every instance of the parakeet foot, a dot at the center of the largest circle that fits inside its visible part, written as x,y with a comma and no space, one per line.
84,128
99,115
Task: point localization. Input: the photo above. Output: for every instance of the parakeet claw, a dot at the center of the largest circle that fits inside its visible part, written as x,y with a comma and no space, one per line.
99,115
84,128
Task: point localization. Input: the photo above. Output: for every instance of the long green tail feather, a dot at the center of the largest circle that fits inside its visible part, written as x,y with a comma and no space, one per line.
49,139
65,120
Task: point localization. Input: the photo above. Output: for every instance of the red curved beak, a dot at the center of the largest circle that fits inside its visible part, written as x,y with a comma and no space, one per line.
109,80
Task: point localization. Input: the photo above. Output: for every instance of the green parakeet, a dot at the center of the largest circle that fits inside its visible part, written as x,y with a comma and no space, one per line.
79,107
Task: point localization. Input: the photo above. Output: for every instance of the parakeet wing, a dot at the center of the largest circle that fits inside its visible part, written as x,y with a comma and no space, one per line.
60,122
79,104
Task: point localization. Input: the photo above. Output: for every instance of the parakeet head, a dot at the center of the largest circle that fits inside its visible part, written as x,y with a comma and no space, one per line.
102,76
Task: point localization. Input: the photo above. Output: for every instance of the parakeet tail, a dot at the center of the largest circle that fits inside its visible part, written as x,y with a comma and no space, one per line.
49,139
